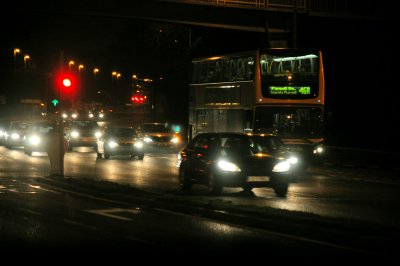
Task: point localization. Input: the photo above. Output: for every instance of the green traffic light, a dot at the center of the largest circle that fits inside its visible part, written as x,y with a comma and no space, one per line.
55,102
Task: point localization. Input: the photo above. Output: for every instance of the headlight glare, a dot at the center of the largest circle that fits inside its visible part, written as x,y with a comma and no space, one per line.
147,139
112,144
138,144
74,134
175,140
34,140
293,160
283,166
228,166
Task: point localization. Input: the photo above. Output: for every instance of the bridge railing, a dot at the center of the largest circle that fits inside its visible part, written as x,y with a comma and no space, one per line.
367,8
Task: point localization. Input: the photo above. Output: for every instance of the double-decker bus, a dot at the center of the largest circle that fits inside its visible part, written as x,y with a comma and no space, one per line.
270,91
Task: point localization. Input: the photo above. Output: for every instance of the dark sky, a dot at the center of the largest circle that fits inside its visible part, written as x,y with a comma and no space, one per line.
361,60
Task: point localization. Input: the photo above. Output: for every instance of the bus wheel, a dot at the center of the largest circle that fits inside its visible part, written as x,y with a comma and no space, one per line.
184,181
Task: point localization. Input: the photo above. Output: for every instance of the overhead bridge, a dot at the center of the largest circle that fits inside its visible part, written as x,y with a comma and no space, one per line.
276,18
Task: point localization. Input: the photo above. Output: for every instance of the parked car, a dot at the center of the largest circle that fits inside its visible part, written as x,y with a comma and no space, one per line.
220,160
36,137
158,135
119,141
82,133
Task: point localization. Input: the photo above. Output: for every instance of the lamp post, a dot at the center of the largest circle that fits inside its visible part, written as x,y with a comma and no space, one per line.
16,51
26,57
80,67
70,63
117,76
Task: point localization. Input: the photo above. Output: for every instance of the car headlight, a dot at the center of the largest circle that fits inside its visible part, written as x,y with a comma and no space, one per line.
74,134
175,140
147,139
228,166
283,166
91,115
15,136
138,144
34,140
318,150
101,115
2,133
112,144
97,134
293,160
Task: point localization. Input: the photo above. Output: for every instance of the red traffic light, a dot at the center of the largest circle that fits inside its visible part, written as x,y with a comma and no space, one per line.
66,83
138,99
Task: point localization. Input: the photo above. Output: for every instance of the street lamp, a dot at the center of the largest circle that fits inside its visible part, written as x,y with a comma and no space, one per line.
26,57
80,67
16,51
70,63
95,71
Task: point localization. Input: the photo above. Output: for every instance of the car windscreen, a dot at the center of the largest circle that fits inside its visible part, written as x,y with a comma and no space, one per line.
84,124
120,132
252,145
150,128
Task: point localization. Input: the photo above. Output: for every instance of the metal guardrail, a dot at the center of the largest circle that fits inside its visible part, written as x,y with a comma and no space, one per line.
366,8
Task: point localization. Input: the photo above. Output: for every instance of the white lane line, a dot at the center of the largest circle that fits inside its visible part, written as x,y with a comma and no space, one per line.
112,213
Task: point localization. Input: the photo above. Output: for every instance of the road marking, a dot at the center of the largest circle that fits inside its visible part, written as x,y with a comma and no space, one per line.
111,213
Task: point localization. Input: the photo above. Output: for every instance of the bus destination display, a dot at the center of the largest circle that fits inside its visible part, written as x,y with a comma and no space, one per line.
289,90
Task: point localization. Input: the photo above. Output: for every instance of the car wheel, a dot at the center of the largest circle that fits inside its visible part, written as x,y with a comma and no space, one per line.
247,188
28,152
213,184
141,156
184,181
280,188
106,155
99,155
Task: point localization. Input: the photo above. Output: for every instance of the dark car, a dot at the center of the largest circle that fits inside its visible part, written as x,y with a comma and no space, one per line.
36,137
119,141
82,133
220,160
